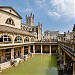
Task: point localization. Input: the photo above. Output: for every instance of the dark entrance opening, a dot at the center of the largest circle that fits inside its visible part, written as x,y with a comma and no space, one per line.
7,54
25,50
31,50
37,48
46,49
54,49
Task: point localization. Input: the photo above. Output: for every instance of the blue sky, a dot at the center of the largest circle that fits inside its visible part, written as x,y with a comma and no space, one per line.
54,14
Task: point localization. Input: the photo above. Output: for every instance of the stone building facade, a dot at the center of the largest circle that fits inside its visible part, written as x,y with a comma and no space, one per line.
12,37
51,35
16,37
18,40
72,35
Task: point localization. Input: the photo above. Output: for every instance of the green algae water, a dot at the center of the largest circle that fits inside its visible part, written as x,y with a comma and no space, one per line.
39,64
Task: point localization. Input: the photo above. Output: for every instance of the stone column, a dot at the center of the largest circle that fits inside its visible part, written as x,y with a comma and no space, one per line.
23,39
64,58
33,48
73,46
50,49
60,51
73,68
41,49
13,38
22,51
29,49
12,53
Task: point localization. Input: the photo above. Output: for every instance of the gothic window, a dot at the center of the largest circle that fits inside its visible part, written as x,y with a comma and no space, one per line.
26,39
47,33
27,20
18,39
5,38
10,21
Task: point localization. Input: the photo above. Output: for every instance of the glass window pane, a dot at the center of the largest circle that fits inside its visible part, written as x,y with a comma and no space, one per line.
1,39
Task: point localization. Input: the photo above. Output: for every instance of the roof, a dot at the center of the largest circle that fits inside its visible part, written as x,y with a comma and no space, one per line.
4,28
72,32
10,13
51,31
28,25
60,35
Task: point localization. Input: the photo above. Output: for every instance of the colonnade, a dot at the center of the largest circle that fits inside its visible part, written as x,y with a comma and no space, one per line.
29,50
21,54
41,49
67,60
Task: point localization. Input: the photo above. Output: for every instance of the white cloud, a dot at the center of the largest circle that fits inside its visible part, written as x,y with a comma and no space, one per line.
28,10
54,14
64,7
40,3
60,8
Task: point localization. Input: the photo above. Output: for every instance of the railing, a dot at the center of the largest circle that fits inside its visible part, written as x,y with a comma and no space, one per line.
69,50
17,42
5,42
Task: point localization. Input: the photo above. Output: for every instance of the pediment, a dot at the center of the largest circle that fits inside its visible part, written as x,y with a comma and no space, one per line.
10,10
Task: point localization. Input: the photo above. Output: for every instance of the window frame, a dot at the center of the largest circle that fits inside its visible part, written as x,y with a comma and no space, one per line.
10,21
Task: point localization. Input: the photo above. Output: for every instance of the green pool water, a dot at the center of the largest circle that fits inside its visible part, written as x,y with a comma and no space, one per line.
37,65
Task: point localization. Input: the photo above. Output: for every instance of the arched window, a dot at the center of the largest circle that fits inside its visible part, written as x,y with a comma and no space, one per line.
18,39
26,39
10,21
5,38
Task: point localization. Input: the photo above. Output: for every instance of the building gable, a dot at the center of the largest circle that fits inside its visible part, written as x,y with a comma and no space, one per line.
10,10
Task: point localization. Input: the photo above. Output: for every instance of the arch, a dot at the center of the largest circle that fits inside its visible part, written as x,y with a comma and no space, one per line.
5,38
18,39
26,39
10,21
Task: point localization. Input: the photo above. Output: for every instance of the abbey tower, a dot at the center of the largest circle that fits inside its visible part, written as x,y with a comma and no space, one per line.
30,20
